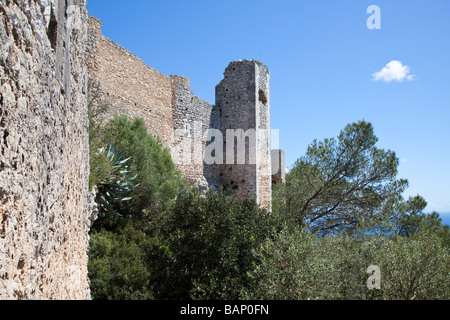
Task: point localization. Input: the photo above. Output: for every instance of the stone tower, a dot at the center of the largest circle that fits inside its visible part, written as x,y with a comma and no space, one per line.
243,101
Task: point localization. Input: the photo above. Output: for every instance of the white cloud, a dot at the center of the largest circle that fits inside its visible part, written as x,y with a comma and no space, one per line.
394,71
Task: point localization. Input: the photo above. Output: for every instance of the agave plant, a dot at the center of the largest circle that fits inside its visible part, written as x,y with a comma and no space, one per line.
117,186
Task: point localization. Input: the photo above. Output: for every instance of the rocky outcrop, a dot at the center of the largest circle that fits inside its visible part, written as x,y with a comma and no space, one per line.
44,159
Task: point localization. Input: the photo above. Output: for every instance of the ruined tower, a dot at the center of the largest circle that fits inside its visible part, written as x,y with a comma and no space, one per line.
243,101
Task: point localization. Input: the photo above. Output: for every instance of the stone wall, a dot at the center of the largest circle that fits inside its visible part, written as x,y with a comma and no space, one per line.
263,134
170,110
133,88
191,120
181,120
235,98
44,159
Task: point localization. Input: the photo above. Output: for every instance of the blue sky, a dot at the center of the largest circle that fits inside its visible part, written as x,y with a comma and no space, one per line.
322,59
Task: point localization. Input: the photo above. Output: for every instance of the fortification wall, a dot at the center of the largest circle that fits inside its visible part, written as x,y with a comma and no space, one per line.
44,159
192,119
170,110
181,120
235,98
132,87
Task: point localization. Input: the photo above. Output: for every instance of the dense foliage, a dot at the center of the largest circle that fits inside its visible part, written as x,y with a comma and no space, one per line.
302,265
340,212
157,177
208,242
119,262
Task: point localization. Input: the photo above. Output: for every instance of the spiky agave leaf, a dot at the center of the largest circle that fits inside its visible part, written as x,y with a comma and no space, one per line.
119,184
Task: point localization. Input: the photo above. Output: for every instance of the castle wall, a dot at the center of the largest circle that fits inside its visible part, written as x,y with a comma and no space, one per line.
44,158
192,119
181,120
171,112
235,98
132,87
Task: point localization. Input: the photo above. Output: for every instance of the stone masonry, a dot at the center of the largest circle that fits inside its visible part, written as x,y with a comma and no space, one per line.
44,159
130,86
244,102
49,49
182,120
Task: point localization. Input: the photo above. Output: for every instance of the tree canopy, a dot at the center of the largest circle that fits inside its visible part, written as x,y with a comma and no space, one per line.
340,180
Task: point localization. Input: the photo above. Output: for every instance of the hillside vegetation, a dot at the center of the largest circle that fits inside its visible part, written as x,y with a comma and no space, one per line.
340,212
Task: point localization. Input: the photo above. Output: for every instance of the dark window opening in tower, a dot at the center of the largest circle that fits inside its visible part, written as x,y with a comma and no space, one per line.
262,97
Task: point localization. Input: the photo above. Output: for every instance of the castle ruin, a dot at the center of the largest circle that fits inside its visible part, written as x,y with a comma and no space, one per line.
48,51
185,123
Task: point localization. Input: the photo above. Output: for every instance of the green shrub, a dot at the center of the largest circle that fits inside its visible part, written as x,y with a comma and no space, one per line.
158,179
301,265
118,264
206,243
122,244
